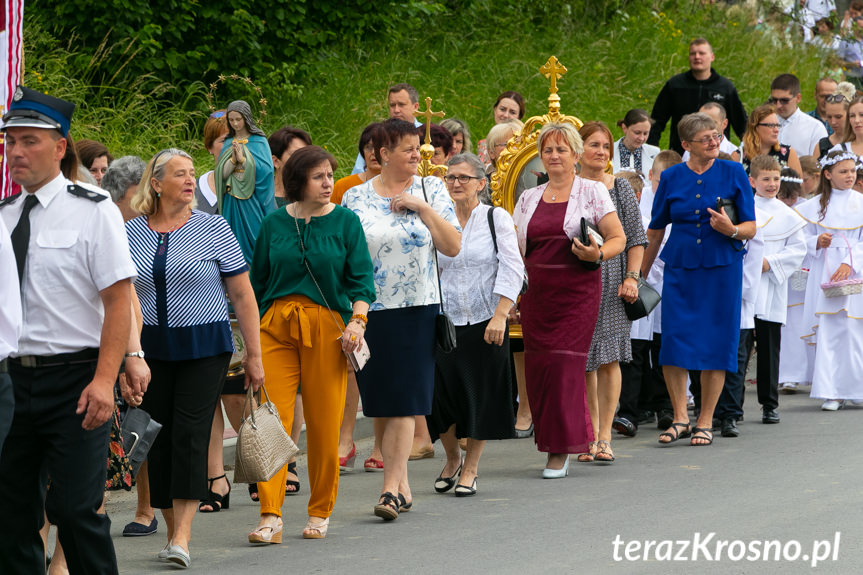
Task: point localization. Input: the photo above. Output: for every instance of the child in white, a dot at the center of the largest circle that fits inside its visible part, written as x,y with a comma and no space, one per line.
796,356
784,249
834,237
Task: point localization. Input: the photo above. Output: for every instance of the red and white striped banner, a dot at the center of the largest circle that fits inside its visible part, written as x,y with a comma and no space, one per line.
11,55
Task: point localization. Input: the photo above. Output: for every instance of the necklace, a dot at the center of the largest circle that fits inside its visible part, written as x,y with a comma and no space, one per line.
180,222
384,186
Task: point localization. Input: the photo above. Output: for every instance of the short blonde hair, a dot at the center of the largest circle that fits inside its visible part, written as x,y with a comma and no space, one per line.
145,201
567,131
498,134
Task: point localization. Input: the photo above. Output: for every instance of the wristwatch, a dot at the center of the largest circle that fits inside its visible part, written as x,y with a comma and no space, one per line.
631,275
599,261
736,231
136,354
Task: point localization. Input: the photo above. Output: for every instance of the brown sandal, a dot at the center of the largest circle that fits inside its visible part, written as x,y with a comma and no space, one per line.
604,454
590,455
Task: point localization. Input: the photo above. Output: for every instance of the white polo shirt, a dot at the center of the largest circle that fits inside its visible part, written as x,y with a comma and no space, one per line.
78,247
10,296
801,131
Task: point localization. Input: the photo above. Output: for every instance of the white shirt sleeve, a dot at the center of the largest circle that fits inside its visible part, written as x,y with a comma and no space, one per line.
510,271
10,295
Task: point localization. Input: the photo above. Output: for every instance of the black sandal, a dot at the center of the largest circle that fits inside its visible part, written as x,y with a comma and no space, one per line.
292,468
706,436
677,433
388,507
404,504
253,492
216,501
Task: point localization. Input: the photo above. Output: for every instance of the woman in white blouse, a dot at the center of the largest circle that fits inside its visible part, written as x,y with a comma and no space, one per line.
473,386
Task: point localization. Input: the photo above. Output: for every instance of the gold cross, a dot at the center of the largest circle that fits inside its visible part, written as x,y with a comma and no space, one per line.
553,70
428,115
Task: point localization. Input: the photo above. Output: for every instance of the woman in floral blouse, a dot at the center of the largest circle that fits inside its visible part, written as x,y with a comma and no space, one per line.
405,218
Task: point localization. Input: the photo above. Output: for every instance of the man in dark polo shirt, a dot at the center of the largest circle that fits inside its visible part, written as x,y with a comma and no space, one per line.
685,93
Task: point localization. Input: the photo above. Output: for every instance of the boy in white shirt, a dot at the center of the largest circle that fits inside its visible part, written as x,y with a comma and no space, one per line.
784,249
796,128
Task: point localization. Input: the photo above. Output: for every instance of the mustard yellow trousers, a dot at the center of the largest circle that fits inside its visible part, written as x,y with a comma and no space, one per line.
299,342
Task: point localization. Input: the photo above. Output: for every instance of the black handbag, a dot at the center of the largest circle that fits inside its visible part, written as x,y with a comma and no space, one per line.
524,284
648,299
444,327
730,209
138,431
589,230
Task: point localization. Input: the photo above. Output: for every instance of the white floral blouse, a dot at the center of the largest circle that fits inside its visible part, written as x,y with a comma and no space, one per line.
400,244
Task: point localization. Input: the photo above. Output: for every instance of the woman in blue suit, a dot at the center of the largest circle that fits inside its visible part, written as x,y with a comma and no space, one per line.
703,271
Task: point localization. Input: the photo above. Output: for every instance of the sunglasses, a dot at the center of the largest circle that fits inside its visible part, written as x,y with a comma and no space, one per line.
782,101
836,99
769,125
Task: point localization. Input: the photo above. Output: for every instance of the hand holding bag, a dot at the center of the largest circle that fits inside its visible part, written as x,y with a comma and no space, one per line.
588,230
444,327
263,445
138,431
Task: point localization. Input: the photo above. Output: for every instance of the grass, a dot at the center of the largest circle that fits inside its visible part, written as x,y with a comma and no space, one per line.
462,61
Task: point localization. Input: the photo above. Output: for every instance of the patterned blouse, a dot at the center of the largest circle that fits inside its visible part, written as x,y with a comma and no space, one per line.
400,244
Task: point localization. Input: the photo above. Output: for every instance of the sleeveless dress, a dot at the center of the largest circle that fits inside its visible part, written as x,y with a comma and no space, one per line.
558,315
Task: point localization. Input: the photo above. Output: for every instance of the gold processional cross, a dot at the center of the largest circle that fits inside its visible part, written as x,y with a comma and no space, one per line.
426,168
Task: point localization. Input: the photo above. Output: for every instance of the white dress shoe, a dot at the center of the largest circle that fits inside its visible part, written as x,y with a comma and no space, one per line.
163,554
833,405
178,555
557,473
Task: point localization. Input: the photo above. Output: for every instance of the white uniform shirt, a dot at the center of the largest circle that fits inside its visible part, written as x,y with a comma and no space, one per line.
10,296
77,248
475,279
784,250
751,275
801,131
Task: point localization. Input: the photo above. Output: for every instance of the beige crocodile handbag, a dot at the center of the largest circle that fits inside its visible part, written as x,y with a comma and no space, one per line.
263,445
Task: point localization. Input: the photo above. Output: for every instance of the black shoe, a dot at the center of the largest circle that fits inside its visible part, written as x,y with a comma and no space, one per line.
624,427
769,416
729,428
646,417
664,419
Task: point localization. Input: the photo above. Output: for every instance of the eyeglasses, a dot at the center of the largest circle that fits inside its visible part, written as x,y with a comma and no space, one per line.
715,138
769,125
835,99
782,101
450,180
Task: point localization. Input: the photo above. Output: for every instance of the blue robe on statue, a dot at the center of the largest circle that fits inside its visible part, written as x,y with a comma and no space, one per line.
245,215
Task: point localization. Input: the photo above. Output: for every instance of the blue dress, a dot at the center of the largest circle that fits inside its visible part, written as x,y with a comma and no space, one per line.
703,268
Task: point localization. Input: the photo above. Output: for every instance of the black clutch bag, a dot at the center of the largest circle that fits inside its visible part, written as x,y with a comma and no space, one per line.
730,209
588,230
138,431
648,299
444,333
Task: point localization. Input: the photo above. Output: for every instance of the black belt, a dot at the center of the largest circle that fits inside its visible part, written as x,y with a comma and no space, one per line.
4,366
83,356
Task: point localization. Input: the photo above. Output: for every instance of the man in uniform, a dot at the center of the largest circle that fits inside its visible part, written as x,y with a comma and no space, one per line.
75,271
10,328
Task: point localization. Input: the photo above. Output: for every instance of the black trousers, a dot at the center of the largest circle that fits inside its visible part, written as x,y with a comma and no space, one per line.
768,336
7,407
182,396
46,434
642,382
730,404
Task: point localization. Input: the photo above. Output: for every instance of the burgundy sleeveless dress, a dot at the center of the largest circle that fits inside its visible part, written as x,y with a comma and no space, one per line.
558,316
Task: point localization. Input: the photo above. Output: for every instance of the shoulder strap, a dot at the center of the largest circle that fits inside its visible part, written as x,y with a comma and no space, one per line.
309,269
434,249
491,227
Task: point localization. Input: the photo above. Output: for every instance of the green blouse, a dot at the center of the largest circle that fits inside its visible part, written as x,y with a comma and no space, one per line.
335,247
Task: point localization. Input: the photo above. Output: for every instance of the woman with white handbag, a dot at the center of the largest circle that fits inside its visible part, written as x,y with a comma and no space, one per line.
312,276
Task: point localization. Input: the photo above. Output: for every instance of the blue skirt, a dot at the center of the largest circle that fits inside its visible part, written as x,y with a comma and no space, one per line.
701,317
398,379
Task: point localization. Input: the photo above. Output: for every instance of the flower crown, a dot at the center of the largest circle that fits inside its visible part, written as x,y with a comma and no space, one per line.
824,162
792,179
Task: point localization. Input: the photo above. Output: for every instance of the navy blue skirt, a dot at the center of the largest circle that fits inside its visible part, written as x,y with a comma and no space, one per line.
398,379
701,317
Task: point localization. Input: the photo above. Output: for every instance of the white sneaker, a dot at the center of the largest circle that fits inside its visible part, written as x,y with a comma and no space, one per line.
788,388
833,405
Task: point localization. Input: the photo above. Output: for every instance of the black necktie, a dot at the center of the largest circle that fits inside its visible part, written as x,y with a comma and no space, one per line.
21,234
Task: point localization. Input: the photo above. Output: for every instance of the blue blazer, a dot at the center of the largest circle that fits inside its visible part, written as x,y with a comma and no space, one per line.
682,199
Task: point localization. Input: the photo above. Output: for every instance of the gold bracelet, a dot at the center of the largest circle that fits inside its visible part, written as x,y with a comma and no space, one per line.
633,275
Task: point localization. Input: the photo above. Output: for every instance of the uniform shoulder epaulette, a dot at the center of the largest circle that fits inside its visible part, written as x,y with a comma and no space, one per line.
85,193
10,200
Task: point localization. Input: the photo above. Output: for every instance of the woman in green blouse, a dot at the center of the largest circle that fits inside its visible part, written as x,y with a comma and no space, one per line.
312,276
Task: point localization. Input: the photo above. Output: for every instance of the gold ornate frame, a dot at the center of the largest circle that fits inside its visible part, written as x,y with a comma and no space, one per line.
521,148
521,151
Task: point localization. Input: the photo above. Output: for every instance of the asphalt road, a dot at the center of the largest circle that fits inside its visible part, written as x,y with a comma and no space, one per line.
794,486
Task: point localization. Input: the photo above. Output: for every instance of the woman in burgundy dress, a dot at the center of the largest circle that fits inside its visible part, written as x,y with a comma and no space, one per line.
559,311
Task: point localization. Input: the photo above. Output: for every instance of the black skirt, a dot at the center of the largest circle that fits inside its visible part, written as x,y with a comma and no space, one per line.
473,388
